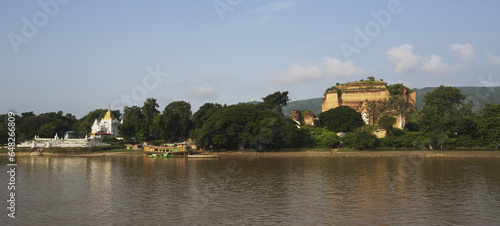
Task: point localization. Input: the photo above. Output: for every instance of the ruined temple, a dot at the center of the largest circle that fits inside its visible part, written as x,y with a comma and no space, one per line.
372,99
304,117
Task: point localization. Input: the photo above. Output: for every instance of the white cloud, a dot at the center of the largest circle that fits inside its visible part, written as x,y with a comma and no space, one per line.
465,52
492,59
403,58
298,73
489,82
406,61
435,65
338,68
201,92
258,16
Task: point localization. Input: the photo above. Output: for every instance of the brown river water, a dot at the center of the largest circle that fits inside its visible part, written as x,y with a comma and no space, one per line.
130,190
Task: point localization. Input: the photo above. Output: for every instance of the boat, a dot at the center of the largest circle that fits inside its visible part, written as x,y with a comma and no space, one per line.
166,150
203,156
37,152
166,155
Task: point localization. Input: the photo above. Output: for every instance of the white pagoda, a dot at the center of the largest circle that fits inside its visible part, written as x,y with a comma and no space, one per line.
107,127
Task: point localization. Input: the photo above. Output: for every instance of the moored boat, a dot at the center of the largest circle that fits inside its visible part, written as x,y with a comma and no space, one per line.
168,150
166,155
203,156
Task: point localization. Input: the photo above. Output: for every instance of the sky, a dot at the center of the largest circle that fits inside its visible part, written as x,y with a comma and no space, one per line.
77,56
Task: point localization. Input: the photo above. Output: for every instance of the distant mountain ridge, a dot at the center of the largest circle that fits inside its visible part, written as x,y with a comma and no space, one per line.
313,105
478,95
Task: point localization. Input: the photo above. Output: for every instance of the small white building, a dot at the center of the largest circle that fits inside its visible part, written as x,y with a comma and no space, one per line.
107,127
66,142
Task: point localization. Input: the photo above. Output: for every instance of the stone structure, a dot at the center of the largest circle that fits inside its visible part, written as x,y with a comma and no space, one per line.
57,142
367,97
107,127
38,142
304,117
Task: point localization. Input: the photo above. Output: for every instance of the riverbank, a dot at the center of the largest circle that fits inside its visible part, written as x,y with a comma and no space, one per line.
365,154
344,153
80,152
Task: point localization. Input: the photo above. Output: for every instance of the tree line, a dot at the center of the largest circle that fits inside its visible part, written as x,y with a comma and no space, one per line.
446,120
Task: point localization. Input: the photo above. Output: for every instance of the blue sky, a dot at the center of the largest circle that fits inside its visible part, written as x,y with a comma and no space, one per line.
77,56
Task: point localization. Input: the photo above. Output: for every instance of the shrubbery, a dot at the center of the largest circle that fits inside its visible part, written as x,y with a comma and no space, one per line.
316,137
361,140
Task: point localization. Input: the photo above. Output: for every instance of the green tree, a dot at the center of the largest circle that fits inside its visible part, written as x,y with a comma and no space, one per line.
398,104
28,127
445,97
250,125
133,127
443,110
489,123
174,123
386,122
341,119
204,113
45,124
231,127
150,112
446,115
47,130
4,129
318,137
361,140
277,99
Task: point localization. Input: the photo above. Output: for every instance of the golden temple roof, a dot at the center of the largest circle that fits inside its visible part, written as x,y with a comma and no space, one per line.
108,114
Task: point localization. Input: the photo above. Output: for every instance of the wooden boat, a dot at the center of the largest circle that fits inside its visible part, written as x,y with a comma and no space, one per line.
168,150
203,156
37,152
166,155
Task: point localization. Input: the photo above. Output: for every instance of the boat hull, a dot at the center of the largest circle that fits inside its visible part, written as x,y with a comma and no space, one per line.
158,150
203,156
169,153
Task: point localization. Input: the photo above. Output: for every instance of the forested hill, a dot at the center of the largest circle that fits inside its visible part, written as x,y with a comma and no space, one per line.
478,95
313,105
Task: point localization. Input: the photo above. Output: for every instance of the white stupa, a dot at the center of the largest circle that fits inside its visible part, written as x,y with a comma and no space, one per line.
107,127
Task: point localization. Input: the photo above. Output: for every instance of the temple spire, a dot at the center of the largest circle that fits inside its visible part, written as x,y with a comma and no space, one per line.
108,114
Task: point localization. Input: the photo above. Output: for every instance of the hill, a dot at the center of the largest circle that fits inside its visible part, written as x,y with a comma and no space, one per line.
478,95
313,105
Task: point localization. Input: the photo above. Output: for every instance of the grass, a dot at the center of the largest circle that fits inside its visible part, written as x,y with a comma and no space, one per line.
347,150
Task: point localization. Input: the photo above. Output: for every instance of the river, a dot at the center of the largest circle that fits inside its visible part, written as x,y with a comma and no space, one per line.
126,190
